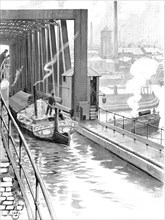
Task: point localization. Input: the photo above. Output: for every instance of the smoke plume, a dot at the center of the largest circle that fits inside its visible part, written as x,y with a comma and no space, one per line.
18,73
49,71
141,70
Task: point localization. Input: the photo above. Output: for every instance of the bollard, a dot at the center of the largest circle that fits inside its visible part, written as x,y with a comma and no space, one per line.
123,122
114,119
147,131
134,127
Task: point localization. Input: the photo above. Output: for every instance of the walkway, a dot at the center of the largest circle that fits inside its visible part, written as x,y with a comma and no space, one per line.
145,152
11,204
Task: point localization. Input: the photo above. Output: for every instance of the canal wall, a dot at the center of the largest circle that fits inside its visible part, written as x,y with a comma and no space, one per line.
120,149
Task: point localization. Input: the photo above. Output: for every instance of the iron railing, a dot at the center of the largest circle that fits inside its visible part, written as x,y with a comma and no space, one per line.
122,121
3,67
17,153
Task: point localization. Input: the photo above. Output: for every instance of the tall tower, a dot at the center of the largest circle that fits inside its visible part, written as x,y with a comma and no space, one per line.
115,36
106,43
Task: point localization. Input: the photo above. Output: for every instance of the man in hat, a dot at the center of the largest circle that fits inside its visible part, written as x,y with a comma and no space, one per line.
51,101
3,56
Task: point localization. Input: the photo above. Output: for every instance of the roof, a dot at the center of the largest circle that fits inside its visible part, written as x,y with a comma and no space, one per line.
68,72
106,29
92,52
109,61
133,50
152,50
91,72
95,58
19,101
158,57
125,59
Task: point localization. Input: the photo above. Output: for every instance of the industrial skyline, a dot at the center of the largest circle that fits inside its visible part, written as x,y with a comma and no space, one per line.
138,21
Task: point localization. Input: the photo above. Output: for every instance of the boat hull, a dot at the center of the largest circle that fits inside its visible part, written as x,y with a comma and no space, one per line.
45,132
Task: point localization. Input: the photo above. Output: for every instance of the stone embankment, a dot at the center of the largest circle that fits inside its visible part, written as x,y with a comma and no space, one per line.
11,200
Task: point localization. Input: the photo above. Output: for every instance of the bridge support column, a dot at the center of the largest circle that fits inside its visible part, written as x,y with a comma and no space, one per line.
79,89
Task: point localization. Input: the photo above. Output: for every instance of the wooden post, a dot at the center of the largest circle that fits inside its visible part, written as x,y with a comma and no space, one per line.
54,52
24,84
30,62
43,50
62,48
58,63
39,60
35,101
64,34
51,56
36,73
56,120
47,57
33,60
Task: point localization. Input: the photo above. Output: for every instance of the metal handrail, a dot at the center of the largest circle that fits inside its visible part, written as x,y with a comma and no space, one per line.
3,66
131,119
4,62
22,143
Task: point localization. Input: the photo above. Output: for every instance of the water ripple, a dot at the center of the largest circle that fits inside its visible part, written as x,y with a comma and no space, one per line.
89,182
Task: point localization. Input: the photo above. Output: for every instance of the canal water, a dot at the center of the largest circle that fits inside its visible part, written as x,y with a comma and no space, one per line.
85,181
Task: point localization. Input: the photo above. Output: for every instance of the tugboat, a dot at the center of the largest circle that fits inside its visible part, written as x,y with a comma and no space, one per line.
145,124
46,128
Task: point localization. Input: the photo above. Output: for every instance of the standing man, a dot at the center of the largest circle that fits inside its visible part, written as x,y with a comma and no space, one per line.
3,56
51,101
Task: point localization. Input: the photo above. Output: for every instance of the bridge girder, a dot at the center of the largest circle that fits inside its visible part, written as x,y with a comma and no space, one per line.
26,32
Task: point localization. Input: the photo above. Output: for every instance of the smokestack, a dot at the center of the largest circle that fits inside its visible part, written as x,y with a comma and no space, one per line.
91,36
115,31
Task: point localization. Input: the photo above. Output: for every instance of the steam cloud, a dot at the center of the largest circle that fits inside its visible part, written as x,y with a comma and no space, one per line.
142,70
49,71
18,73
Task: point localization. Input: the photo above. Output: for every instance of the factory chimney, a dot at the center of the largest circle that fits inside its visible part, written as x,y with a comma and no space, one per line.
115,34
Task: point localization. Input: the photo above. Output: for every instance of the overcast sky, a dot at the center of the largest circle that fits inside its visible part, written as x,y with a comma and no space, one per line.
137,20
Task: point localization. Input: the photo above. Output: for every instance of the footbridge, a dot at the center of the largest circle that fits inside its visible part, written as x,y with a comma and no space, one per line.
40,51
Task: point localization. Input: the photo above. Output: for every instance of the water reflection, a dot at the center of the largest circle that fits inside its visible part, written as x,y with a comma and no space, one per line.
86,181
